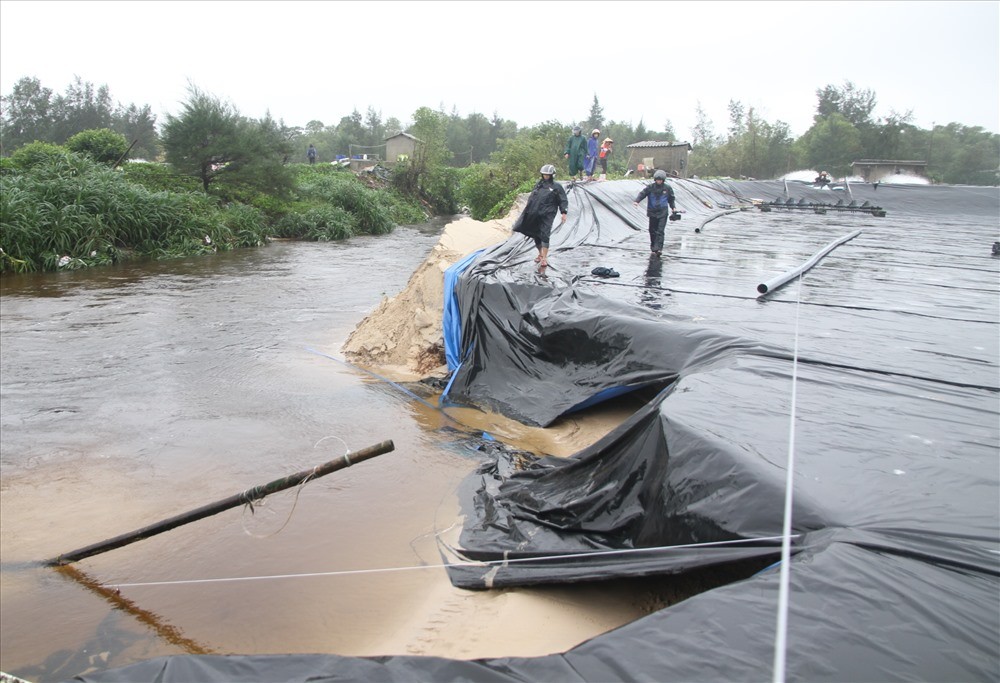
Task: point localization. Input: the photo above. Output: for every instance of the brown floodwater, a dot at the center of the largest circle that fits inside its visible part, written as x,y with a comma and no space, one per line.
134,393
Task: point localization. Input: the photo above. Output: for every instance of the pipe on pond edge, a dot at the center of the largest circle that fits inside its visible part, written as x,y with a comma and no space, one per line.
775,282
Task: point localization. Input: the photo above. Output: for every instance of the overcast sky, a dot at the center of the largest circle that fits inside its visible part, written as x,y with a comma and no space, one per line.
528,62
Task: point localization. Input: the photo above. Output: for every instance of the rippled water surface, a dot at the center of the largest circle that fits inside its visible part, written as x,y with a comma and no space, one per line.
131,394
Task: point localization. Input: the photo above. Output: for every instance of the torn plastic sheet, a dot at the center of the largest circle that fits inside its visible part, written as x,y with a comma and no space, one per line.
896,574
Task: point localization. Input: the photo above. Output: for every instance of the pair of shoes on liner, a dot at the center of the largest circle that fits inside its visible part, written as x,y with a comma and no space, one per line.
600,271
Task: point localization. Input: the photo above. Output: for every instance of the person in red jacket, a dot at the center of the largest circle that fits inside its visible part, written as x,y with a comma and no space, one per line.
602,156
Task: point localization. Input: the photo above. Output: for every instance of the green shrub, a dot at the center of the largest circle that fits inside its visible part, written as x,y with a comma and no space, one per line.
72,212
101,144
503,207
246,225
159,177
324,224
439,188
346,192
35,153
481,190
330,223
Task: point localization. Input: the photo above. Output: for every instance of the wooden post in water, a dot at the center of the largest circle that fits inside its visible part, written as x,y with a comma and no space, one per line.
255,493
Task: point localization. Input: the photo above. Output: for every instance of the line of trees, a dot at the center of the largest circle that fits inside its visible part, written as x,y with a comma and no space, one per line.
844,129
33,112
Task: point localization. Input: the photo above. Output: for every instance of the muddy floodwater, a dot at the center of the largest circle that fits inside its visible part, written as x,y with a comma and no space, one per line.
132,394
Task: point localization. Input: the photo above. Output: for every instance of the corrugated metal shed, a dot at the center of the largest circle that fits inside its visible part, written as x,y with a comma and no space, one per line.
649,155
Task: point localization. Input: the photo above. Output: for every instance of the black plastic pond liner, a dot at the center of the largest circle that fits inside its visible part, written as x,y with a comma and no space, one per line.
894,341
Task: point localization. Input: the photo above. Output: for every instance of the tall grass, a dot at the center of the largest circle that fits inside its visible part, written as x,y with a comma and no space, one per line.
347,193
61,210
68,211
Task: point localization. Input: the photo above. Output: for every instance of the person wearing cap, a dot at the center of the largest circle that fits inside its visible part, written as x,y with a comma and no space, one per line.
603,155
576,152
593,147
535,221
660,201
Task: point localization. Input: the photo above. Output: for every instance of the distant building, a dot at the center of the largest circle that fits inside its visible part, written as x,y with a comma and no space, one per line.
654,155
874,170
400,147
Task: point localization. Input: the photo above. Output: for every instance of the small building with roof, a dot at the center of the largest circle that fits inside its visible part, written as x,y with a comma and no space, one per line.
652,155
400,147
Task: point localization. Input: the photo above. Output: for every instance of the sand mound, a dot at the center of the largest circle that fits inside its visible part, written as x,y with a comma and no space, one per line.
403,339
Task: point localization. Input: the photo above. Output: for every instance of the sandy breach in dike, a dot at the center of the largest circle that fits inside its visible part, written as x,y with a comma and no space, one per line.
402,340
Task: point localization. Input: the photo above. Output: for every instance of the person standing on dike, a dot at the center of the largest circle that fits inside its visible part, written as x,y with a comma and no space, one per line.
606,148
593,148
659,198
535,220
576,153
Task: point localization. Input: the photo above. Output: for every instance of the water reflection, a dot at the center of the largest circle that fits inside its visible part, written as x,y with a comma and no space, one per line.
135,392
652,293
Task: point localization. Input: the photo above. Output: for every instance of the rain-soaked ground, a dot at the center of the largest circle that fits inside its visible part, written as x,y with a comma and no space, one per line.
135,393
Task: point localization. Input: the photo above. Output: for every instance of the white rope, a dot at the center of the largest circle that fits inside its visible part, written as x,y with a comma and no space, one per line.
487,563
254,504
781,629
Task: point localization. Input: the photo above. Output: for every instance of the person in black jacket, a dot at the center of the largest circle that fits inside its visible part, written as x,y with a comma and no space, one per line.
660,200
535,221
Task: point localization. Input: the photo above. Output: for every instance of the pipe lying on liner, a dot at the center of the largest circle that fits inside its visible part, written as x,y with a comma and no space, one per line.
775,282
714,216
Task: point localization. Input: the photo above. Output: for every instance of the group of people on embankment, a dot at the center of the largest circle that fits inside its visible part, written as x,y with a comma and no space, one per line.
548,198
584,154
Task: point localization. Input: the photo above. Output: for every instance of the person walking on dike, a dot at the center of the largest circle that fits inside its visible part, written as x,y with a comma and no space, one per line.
311,154
576,152
593,147
603,155
659,196
535,220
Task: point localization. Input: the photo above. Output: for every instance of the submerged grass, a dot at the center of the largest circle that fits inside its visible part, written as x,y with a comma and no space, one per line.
60,210
67,211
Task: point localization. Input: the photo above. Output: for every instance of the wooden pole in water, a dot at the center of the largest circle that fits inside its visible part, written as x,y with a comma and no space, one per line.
243,498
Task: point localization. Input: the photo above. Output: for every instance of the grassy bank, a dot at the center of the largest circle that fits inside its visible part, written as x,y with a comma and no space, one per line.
64,210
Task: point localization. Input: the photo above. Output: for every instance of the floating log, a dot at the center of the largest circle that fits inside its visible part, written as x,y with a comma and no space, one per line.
242,498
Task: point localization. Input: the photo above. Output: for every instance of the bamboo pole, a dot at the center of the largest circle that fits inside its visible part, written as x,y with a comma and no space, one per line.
242,498
125,153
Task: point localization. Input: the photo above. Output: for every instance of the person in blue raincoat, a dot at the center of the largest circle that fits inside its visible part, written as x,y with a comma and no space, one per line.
535,221
660,202
593,149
